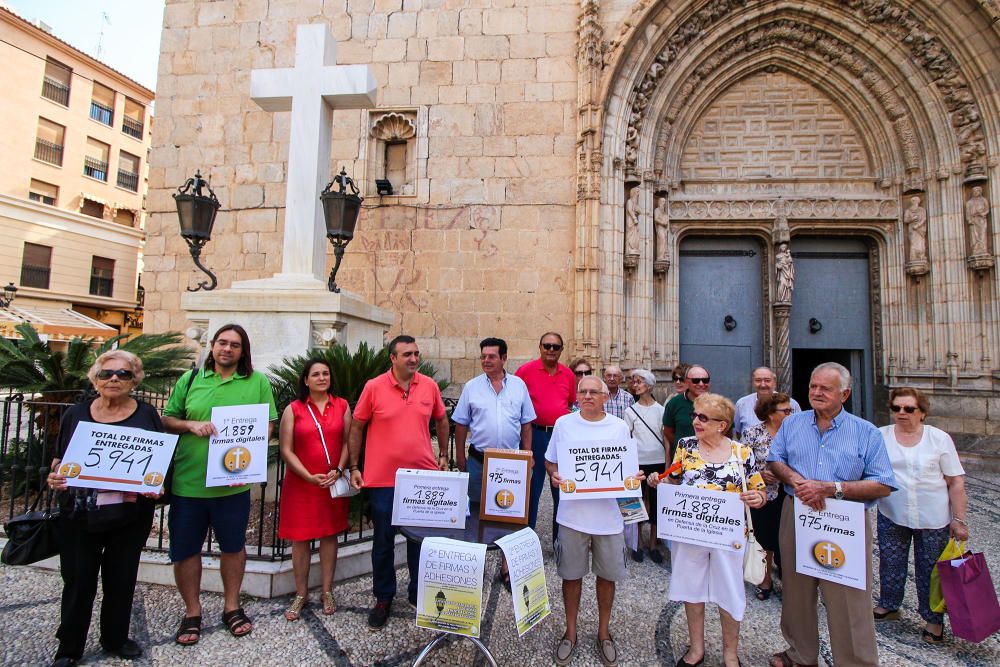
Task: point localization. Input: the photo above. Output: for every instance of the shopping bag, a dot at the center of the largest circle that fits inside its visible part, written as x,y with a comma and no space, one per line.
970,596
952,550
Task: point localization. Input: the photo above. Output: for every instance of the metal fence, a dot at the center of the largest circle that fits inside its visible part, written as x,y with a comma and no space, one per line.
29,442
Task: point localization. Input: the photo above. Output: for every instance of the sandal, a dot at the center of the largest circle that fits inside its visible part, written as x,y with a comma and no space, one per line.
886,615
329,603
294,611
932,638
190,625
235,619
764,593
782,660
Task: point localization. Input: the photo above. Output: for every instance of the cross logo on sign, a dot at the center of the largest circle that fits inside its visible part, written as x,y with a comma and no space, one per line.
505,499
829,555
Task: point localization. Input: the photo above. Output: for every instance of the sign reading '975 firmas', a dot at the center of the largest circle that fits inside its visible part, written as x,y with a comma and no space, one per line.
238,454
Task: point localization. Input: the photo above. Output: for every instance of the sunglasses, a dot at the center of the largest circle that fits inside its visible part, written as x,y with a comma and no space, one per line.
580,374
703,418
677,378
699,380
908,409
551,346
121,374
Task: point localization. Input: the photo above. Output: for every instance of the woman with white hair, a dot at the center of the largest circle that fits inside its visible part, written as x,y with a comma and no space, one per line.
644,418
102,531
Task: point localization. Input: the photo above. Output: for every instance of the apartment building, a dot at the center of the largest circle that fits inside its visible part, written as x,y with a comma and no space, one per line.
75,136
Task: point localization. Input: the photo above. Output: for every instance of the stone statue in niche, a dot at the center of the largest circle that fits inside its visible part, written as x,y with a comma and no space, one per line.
977,210
661,224
632,229
786,273
915,219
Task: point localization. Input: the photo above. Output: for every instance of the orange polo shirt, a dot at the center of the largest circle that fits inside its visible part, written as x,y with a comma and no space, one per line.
551,395
398,426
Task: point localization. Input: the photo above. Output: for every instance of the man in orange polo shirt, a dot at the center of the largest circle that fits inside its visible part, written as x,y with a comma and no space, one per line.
552,388
397,407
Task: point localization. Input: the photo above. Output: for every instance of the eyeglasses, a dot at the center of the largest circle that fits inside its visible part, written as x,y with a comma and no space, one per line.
703,418
581,374
699,380
121,374
231,345
908,409
589,392
552,346
785,411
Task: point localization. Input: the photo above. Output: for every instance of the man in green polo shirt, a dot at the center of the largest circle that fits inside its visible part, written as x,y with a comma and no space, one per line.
677,412
227,379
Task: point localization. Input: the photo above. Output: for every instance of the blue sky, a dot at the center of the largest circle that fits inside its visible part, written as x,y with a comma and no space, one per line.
131,42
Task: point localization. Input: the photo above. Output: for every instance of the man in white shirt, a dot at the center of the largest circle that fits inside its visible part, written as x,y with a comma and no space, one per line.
765,383
590,527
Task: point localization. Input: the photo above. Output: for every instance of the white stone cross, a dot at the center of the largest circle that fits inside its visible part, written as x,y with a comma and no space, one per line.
310,90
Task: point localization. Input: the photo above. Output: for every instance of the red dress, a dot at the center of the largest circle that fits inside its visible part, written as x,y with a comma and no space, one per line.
307,511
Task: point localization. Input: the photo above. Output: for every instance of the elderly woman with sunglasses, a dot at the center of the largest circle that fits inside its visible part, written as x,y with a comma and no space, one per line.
928,507
710,460
102,531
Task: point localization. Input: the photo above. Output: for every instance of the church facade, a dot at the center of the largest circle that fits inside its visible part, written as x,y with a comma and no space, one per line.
732,182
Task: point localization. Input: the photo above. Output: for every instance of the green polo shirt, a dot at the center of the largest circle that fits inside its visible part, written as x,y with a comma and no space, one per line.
209,390
677,415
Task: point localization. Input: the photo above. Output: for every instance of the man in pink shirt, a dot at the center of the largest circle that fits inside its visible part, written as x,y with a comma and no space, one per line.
552,388
397,408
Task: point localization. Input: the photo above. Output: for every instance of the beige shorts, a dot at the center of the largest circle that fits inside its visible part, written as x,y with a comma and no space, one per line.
573,550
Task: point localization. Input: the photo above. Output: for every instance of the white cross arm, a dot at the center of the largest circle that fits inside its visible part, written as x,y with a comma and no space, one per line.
342,87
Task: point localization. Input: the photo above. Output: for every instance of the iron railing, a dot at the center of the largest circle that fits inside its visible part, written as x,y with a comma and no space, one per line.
100,286
128,180
95,168
132,127
101,113
28,443
57,91
46,151
35,276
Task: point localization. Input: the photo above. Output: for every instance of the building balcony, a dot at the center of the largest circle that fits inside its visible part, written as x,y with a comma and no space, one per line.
132,127
101,286
35,276
56,91
95,169
46,151
128,180
101,113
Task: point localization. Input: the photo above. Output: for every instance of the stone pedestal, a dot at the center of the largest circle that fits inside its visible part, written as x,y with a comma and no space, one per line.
980,262
918,267
287,315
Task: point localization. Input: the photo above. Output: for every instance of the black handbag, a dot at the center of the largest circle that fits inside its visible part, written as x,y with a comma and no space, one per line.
32,536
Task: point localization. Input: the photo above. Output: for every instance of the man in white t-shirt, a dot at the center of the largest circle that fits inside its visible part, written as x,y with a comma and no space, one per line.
588,528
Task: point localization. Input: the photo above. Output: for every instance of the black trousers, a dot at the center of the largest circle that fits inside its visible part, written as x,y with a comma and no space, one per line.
82,555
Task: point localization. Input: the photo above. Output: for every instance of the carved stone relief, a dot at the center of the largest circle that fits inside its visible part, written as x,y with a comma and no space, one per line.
915,222
807,208
977,211
632,229
785,269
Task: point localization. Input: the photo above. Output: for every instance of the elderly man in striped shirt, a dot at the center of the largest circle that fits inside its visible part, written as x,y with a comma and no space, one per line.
825,453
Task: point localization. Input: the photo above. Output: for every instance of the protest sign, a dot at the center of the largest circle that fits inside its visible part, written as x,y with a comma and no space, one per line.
830,544
599,469
238,455
430,498
529,595
704,517
117,458
506,485
450,588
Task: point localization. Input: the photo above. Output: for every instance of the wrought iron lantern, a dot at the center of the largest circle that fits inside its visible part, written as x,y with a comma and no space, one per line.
9,292
196,212
340,211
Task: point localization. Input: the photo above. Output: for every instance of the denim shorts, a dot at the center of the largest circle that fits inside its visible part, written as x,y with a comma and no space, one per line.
190,519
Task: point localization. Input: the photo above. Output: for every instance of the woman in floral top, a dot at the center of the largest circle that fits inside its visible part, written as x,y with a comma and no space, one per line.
771,411
710,460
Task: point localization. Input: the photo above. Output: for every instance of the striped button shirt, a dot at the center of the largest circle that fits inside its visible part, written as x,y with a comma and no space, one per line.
851,449
617,405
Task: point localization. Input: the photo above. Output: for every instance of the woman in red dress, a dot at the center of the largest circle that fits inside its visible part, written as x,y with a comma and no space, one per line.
313,441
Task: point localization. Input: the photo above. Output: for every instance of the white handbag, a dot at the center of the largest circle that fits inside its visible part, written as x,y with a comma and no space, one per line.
342,488
754,558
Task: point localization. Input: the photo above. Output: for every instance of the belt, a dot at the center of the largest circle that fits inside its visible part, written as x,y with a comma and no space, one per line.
547,429
475,454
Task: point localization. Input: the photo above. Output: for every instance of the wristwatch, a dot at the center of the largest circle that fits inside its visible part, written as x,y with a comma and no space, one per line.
839,493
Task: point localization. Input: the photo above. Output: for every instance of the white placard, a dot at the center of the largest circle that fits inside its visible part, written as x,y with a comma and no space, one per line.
430,498
450,587
529,594
117,458
506,490
238,455
599,469
830,544
705,517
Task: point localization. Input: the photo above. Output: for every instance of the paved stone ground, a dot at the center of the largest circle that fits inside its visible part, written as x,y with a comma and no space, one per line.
649,629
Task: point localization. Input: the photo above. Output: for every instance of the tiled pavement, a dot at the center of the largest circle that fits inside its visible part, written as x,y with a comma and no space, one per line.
649,629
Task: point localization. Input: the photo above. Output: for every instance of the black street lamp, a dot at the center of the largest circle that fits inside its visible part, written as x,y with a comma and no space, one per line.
340,210
9,292
196,213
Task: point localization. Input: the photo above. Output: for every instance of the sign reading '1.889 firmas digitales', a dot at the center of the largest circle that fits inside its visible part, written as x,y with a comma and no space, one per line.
238,455
430,498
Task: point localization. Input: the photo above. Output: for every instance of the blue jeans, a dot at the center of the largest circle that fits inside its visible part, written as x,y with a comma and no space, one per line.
383,549
475,470
540,479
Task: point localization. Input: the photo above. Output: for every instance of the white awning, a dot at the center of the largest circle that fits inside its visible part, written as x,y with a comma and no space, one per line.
55,323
